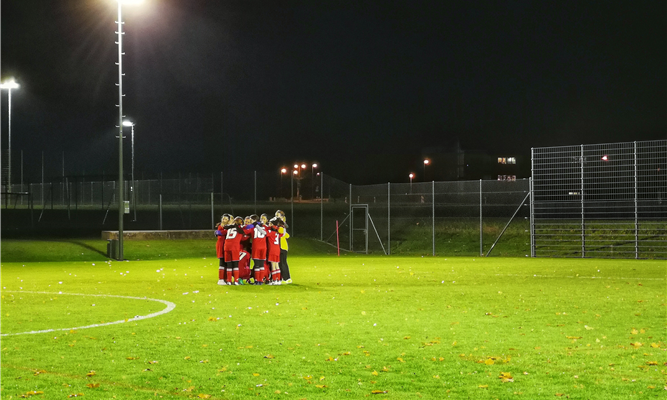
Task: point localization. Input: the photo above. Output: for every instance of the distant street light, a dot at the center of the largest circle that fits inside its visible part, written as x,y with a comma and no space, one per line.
132,189
312,178
9,85
121,202
426,162
411,176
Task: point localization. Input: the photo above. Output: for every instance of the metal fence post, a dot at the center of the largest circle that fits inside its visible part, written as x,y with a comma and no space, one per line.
160,212
532,203
291,196
433,215
388,218
532,215
583,226
481,226
636,206
321,206
350,214
255,192
212,213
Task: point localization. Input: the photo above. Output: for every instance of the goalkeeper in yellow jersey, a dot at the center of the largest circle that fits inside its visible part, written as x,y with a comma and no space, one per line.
284,268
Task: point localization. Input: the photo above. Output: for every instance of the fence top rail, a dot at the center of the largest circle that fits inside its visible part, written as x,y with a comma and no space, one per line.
606,145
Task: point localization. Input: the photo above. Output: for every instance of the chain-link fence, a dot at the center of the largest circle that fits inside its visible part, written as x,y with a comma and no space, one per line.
602,200
391,218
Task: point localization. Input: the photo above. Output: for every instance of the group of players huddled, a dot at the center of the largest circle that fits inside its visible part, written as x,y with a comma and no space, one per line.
256,237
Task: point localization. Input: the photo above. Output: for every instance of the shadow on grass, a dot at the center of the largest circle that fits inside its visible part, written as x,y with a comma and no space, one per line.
87,247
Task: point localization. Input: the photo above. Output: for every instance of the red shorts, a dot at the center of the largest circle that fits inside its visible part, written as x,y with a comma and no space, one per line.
259,254
274,256
232,255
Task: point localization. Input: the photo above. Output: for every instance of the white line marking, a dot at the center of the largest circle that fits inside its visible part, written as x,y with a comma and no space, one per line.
582,277
169,304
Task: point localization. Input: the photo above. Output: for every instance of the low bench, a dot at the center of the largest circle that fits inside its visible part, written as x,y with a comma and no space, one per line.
156,235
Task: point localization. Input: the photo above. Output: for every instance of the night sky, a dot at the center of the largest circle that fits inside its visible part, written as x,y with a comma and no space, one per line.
359,86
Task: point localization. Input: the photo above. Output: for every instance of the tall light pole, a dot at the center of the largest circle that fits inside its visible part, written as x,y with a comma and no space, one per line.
411,176
426,162
312,178
9,85
121,202
132,189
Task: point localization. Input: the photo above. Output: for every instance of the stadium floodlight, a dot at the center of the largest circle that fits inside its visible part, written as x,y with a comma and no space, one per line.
295,172
296,166
9,85
121,202
283,171
303,166
411,176
605,158
426,162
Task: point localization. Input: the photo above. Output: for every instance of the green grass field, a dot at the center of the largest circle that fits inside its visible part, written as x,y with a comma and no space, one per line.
349,327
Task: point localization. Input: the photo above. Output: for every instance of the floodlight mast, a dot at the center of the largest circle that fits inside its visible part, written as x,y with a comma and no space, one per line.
121,203
9,85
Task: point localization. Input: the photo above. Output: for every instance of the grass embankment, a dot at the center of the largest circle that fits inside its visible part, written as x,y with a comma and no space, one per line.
406,328
15,250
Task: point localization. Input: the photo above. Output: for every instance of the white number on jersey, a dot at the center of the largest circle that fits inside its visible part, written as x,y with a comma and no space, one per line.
277,240
231,234
260,233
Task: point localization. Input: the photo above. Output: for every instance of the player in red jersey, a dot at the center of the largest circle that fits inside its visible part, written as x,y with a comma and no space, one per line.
221,233
274,250
258,247
233,249
247,234
264,219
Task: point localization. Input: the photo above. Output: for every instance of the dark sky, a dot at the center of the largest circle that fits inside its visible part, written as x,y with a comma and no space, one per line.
360,86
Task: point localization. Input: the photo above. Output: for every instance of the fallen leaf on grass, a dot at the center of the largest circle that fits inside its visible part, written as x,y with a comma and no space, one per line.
255,374
153,362
91,373
32,393
93,385
204,396
76,395
655,345
132,358
506,377
636,344
400,359
379,391
375,373
483,386
39,371
269,356
320,386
